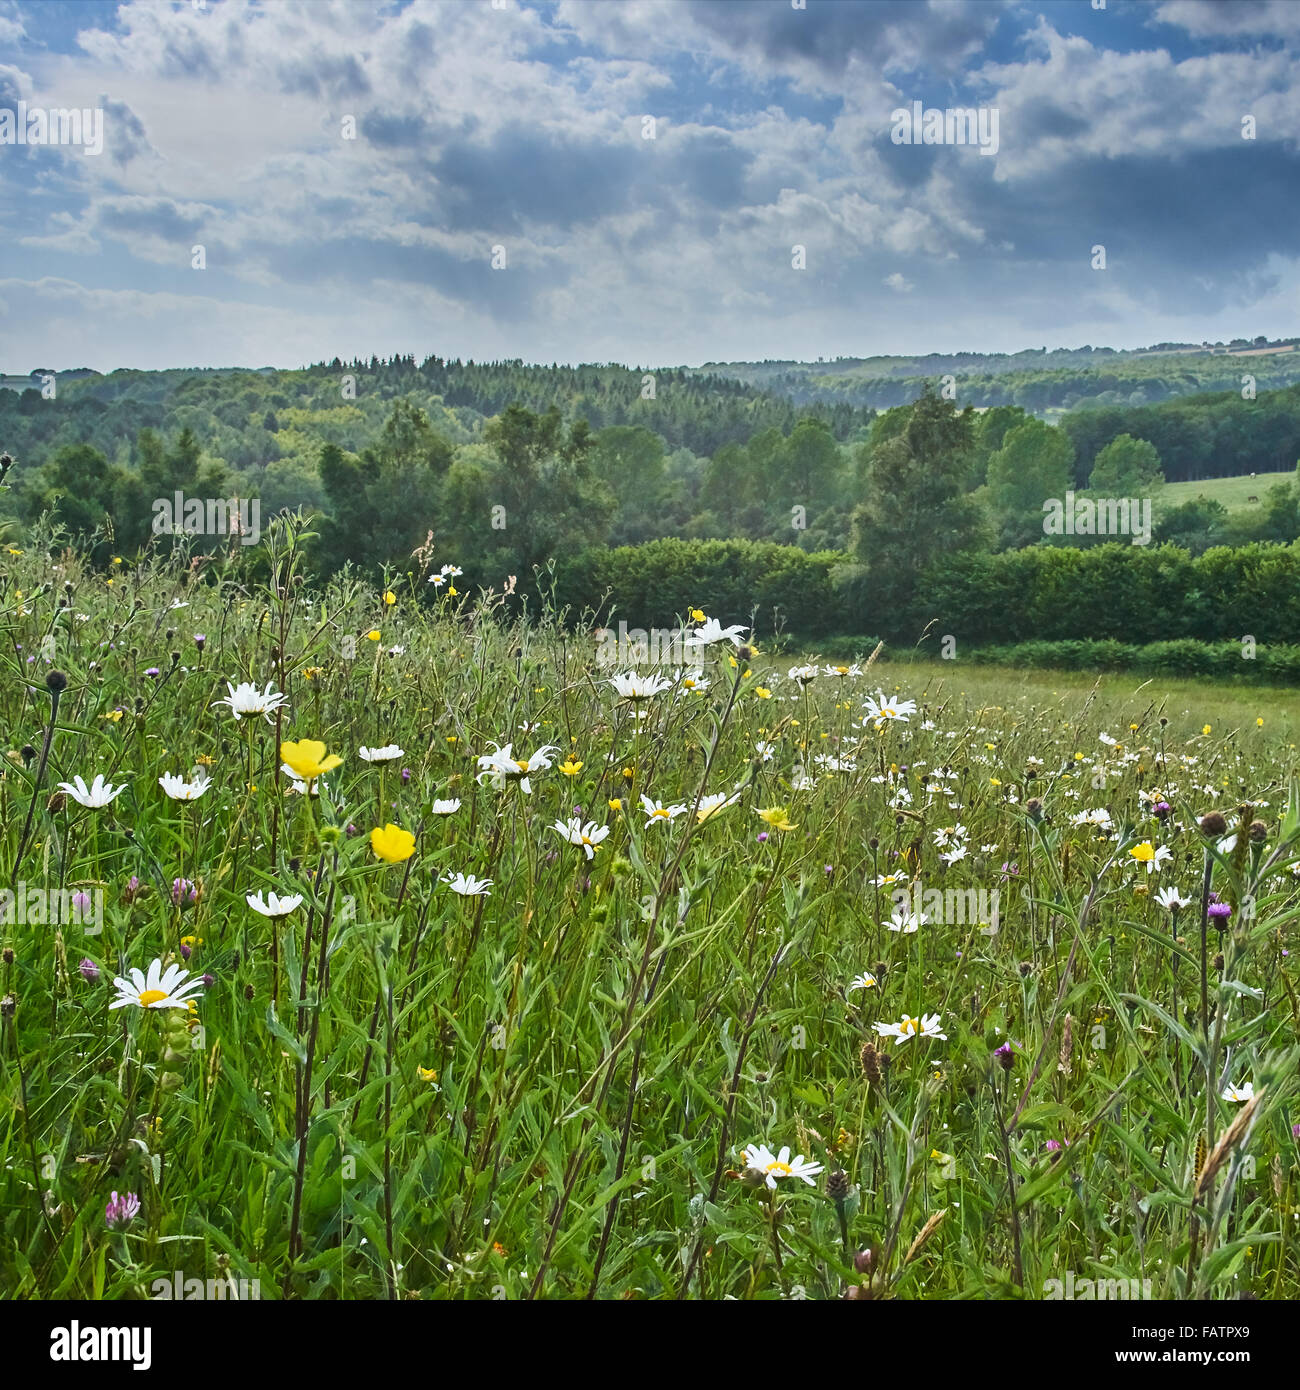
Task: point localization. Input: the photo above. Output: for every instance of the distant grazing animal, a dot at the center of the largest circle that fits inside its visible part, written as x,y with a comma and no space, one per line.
1252,499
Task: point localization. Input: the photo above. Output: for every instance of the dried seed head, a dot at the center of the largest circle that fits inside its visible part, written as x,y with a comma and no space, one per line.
1067,1044
837,1185
1213,823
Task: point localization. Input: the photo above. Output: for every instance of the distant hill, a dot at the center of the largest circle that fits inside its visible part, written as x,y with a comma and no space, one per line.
1040,380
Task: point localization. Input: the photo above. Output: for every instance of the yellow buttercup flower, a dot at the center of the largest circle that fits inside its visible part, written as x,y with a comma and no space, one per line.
1143,853
1206,730
372,635
697,614
390,597
776,817
571,767
615,803
762,692
392,843
308,759
426,1073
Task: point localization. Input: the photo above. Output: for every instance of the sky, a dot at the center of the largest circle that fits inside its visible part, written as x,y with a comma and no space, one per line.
628,180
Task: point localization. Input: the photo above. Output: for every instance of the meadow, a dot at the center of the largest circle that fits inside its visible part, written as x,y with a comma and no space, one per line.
1232,493
488,970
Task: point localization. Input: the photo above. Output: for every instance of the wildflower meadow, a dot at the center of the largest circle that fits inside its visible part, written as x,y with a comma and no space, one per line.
393,943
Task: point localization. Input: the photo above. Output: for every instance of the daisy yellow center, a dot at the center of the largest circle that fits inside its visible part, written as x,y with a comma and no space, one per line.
522,766
661,813
779,1167
909,1025
152,996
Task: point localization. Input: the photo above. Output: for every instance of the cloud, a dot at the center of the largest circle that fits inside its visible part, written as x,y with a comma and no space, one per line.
1224,18
523,127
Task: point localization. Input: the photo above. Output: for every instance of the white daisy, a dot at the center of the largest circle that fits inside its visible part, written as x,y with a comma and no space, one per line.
1172,900
273,905
656,810
588,836
927,1026
863,981
501,766
1244,1092
159,989
713,631
96,796
179,789
633,687
446,808
386,754
711,805
467,885
246,699
759,1158
886,707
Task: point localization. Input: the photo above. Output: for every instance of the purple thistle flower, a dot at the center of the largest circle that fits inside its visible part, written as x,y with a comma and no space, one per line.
1220,910
762,837
89,971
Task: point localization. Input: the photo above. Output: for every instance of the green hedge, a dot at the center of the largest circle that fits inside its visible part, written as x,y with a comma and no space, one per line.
652,585
1111,598
1273,665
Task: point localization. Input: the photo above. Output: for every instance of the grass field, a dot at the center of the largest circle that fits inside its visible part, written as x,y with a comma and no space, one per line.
768,982
1232,493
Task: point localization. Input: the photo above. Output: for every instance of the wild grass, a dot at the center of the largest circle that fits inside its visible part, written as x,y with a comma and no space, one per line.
548,1091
